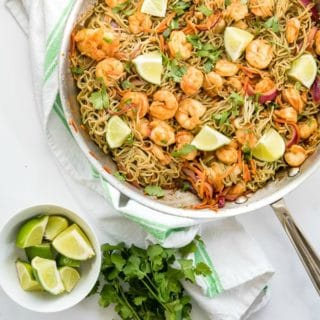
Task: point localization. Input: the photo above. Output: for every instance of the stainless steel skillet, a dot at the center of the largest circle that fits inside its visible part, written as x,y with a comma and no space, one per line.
272,194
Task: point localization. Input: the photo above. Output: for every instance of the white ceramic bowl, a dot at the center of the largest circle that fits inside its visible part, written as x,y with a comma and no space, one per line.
41,301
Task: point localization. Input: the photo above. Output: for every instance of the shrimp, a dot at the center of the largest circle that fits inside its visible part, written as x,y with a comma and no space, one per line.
317,42
143,128
189,113
241,24
265,85
292,96
307,128
246,137
259,54
227,154
115,3
262,8
238,189
178,45
164,105
236,11
97,43
213,83
139,22
215,173
192,81
162,133
292,30
110,70
183,138
295,156
234,85
139,101
162,156
289,114
226,68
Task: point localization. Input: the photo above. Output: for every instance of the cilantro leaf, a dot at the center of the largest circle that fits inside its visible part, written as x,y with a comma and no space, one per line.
120,176
185,150
100,99
174,71
180,7
205,10
126,84
236,99
202,269
273,23
154,190
77,70
120,7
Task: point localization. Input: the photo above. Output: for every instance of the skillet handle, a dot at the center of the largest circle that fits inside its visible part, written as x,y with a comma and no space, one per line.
305,251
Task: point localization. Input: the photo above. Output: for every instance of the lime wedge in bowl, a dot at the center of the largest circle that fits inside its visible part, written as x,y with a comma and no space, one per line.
70,277
117,132
209,139
235,41
304,69
31,233
25,275
149,67
270,147
56,224
41,250
156,8
47,274
74,244
67,262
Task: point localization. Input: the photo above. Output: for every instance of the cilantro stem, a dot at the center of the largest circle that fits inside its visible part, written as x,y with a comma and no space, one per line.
126,302
153,294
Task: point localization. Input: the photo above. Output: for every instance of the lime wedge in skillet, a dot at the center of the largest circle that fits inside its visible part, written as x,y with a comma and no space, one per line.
156,8
46,272
270,147
56,224
41,250
31,233
117,132
209,139
25,275
70,277
74,244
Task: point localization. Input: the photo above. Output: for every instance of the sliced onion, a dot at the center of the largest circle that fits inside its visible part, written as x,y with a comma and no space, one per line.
313,10
264,97
295,137
316,91
221,201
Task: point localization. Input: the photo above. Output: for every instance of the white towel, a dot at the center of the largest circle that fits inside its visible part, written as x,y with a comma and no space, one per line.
238,284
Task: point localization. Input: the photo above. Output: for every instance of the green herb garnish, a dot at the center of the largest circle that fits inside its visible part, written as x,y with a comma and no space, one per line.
77,70
126,84
120,176
120,7
180,7
273,23
155,191
185,150
100,99
205,10
107,40
174,71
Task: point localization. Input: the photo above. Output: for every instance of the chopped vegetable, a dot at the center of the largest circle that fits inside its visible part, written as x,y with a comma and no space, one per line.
316,91
273,23
173,70
205,10
154,191
185,150
120,176
77,70
100,99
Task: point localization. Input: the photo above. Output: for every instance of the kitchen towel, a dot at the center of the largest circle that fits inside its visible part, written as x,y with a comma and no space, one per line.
241,273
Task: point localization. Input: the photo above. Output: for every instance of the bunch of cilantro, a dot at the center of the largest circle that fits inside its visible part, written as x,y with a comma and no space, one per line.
146,284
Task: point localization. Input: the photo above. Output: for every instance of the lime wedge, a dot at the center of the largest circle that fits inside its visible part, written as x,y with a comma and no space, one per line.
209,139
41,250
235,41
25,275
117,132
70,277
74,244
31,233
56,224
149,66
304,69
47,274
270,147
67,262
156,8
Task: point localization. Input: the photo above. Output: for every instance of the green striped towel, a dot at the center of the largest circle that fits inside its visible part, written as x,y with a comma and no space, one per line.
240,270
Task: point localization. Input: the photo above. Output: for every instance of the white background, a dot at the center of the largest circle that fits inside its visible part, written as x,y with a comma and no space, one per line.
28,175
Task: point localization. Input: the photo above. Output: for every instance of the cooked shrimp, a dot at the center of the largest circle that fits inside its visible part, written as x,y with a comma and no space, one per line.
238,189
293,97
97,43
317,42
162,156
289,114
295,156
236,11
226,68
178,45
292,30
110,70
189,113
259,54
115,3
262,8
139,102
265,85
307,128
183,138
139,22
214,174
164,105
241,24
162,133
246,137
219,27
192,81
143,128
213,83
234,85
227,154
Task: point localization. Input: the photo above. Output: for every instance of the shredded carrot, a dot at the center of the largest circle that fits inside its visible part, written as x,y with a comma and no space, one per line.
253,166
107,169
92,154
311,36
162,44
246,173
72,44
210,24
165,23
73,124
240,159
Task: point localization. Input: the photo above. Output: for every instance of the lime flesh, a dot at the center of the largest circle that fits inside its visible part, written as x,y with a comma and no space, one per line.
74,244
56,224
70,277
117,132
31,233
47,274
26,279
41,250
156,8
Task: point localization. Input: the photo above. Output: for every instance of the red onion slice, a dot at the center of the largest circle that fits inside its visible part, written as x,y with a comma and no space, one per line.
316,91
264,97
313,10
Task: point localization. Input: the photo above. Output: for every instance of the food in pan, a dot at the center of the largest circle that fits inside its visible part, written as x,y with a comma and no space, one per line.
214,97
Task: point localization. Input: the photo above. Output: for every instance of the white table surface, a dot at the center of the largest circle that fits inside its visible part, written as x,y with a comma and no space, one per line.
29,176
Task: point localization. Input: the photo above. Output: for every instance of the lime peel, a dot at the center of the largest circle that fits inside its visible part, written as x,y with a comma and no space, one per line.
155,8
117,132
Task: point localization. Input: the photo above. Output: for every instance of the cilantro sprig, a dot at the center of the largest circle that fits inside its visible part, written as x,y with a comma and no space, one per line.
174,70
180,7
273,23
100,99
146,283
185,150
154,190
